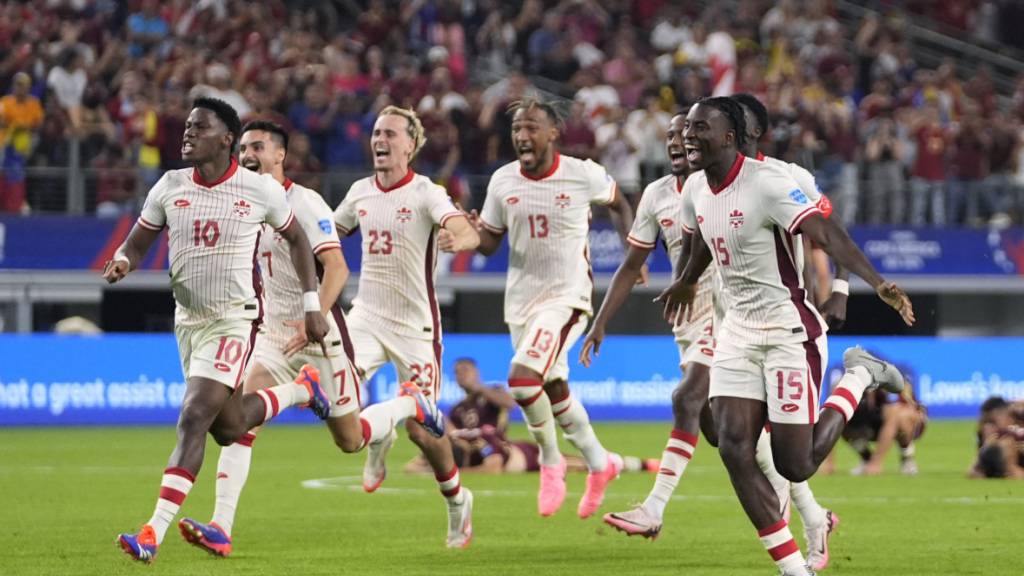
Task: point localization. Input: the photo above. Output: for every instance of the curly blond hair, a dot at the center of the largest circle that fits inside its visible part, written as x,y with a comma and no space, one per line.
415,128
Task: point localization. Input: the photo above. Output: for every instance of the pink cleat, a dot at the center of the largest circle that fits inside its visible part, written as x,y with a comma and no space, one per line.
636,522
596,484
552,488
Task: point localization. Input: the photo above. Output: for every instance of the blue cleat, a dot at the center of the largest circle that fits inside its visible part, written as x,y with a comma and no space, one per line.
141,547
209,537
309,378
427,414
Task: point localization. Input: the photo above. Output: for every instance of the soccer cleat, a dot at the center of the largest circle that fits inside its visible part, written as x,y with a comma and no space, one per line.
908,467
141,546
884,374
375,470
636,522
309,378
804,571
460,521
552,488
209,537
427,414
596,484
817,541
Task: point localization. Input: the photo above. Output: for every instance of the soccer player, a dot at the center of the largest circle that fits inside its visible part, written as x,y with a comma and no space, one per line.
405,219
770,349
213,213
281,346
543,202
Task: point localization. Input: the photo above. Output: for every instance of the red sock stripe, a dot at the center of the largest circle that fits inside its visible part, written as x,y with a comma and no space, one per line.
452,492
527,401
771,529
274,406
847,395
172,495
448,476
837,409
247,439
367,431
783,550
523,382
679,451
563,410
690,439
181,472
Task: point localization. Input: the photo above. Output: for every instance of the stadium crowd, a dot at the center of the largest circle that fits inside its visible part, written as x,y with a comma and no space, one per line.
889,141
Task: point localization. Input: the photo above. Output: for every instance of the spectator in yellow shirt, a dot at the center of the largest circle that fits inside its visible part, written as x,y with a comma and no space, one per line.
21,114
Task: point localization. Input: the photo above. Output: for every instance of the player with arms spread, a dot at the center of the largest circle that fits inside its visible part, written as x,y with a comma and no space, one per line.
214,213
405,219
770,351
281,346
543,202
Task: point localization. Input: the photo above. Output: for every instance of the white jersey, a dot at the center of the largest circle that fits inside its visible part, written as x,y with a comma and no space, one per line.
399,227
805,180
749,224
547,220
213,231
284,290
660,212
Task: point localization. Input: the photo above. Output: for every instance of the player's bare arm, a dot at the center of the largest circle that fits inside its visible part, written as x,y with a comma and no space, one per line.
490,241
842,249
679,295
622,284
302,258
458,234
833,309
129,254
335,276
621,214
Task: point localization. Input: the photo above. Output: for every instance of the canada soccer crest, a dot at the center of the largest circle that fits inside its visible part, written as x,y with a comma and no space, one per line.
242,208
404,214
736,218
563,200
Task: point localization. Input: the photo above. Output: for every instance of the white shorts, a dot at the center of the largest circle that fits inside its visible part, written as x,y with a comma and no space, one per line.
543,343
785,376
218,350
697,342
338,377
415,360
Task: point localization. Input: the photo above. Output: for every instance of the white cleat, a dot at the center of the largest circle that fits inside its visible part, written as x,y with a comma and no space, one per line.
376,470
636,522
460,521
884,374
909,467
804,571
817,541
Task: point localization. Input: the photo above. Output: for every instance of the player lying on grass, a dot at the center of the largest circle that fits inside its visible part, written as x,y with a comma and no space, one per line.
1000,440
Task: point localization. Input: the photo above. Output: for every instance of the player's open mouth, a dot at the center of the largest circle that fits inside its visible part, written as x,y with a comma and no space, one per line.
693,154
676,156
186,147
526,154
381,153
252,164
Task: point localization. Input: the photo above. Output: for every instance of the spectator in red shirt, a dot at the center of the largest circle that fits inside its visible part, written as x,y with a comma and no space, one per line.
928,182
969,167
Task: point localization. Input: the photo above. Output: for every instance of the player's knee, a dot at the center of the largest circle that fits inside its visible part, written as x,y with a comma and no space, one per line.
794,470
419,436
194,418
224,437
517,371
348,444
737,452
686,406
557,390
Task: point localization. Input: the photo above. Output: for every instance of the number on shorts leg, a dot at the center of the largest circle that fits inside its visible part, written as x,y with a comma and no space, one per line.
228,353
542,341
794,380
340,376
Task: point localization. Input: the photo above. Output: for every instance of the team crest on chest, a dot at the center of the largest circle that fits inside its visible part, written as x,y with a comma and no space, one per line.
242,208
404,214
563,200
736,218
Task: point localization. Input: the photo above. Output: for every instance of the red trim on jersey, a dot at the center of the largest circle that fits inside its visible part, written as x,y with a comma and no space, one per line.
564,334
759,156
679,185
684,436
147,224
287,184
232,168
782,550
449,216
639,243
252,345
686,228
679,452
493,229
554,166
257,287
429,263
791,280
405,180
825,205
328,245
287,223
176,471
801,217
814,365
346,339
731,174
615,194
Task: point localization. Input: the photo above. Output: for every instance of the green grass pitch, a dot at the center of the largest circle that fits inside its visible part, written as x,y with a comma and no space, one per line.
67,493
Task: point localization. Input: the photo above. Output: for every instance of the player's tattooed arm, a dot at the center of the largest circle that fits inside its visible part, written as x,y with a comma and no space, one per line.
129,254
622,284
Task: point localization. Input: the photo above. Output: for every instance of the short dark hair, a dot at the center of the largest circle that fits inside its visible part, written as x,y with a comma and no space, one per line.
993,403
225,113
733,112
464,360
272,128
750,102
992,461
550,108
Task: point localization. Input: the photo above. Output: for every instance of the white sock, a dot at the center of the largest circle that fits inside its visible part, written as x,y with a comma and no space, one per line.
174,488
674,458
907,452
530,396
811,513
451,486
232,472
575,423
778,541
767,465
848,391
380,419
